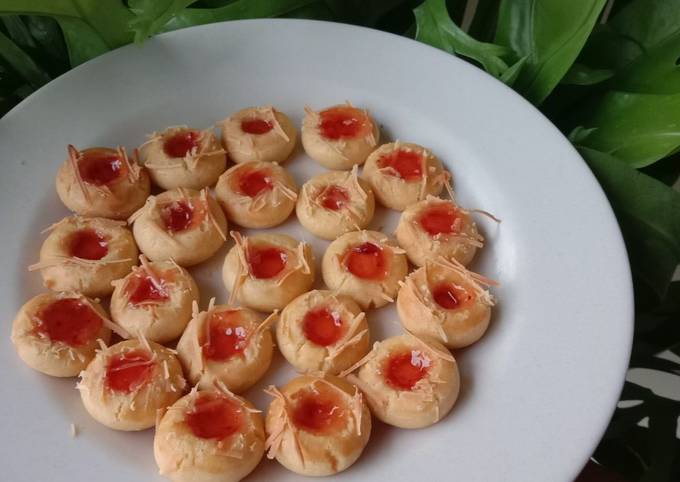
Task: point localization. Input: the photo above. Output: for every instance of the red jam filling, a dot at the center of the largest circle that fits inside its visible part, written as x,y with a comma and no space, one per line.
439,219
344,122
129,371
266,261
181,143
214,417
253,182
100,166
226,337
141,288
318,411
450,296
323,327
256,126
407,165
87,244
403,370
334,198
69,321
177,216
367,261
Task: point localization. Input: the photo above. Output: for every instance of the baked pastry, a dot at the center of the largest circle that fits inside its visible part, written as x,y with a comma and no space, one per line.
155,300
436,227
184,225
209,436
183,157
56,333
408,382
444,301
402,174
334,203
266,271
230,345
102,182
322,332
128,382
340,136
85,255
366,266
258,134
317,426
257,194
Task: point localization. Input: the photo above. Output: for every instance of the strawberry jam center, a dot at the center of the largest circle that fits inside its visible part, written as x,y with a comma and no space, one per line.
440,219
403,370
343,122
256,126
323,327
69,321
177,216
181,143
367,261
450,296
129,371
407,165
267,261
143,289
226,338
334,198
214,417
100,166
87,244
318,411
253,182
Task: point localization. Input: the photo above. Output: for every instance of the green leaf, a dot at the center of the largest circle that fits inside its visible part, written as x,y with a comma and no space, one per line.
83,42
642,42
648,212
50,46
152,15
362,12
663,444
435,27
240,9
639,129
108,18
580,74
22,63
509,77
551,33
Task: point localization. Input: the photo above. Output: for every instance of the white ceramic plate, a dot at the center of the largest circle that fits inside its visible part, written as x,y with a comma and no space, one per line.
537,391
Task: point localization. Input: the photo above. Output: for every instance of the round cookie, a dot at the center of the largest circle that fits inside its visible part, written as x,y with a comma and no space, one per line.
436,227
266,271
56,333
445,302
126,383
209,436
184,225
402,174
258,134
183,157
85,255
257,194
322,332
334,203
155,300
366,266
317,426
340,136
229,345
407,382
102,182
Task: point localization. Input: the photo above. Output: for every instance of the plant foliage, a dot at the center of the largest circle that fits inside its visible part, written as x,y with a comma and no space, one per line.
607,73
